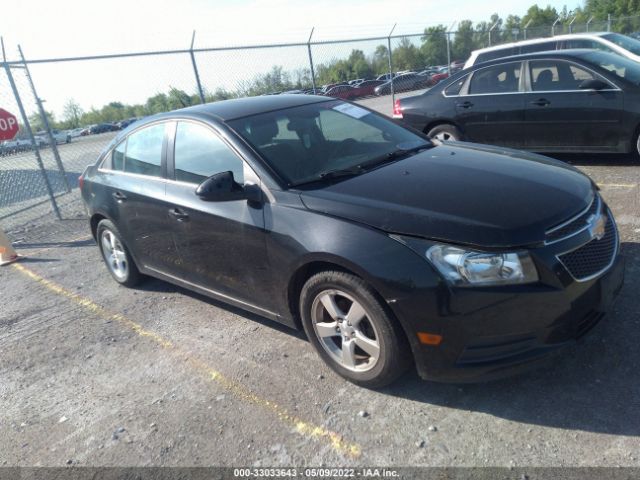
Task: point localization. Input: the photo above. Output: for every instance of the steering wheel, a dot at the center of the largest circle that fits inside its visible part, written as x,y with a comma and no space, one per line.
342,147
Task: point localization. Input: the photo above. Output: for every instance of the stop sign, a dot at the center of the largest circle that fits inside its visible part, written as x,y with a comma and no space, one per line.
8,125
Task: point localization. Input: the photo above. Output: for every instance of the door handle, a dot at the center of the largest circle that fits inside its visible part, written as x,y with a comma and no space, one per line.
178,214
119,196
464,104
541,102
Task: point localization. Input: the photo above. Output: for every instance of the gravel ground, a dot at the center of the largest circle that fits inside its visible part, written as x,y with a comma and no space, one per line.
94,374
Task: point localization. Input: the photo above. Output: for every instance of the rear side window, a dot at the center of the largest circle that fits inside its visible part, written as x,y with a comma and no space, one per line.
143,154
117,156
455,87
502,78
200,153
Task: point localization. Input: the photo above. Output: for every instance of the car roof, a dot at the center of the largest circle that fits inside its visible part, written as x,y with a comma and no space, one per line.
234,108
535,41
570,53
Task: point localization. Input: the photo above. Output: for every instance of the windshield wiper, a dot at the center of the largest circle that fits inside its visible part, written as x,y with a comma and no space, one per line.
391,156
364,166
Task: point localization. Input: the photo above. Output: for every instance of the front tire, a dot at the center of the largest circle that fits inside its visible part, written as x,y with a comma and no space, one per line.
352,331
116,255
445,133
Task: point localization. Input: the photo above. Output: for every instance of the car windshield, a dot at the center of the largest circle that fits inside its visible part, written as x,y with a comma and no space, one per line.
324,140
620,66
628,43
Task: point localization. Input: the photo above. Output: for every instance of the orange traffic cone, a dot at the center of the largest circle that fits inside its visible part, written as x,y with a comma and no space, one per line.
7,253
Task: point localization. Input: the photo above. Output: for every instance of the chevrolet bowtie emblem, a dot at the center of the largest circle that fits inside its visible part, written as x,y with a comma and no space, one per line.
597,226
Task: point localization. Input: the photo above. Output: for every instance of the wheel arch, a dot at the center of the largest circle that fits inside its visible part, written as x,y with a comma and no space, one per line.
442,121
321,264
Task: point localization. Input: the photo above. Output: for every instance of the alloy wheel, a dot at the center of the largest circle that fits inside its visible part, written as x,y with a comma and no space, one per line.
345,330
114,254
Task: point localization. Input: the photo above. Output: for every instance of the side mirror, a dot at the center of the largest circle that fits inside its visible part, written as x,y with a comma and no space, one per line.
593,84
222,187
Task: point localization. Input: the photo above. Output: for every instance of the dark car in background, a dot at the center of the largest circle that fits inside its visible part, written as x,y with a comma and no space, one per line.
103,128
349,92
402,83
563,101
389,250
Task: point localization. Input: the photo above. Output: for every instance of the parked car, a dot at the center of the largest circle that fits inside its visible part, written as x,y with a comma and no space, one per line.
401,83
60,136
569,100
125,123
389,250
102,128
356,81
606,41
348,92
76,132
438,77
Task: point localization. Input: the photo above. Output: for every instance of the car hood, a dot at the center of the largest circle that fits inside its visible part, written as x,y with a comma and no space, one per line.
460,193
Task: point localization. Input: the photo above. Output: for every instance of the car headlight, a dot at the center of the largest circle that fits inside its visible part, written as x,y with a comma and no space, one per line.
469,268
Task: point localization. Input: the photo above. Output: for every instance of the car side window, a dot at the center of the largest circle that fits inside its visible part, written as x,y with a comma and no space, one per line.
503,78
199,153
455,87
552,75
117,156
538,47
143,154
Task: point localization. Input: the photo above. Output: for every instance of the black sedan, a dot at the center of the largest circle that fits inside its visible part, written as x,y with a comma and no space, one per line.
387,249
561,101
402,83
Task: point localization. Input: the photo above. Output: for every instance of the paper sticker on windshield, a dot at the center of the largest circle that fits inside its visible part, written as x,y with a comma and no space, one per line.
351,110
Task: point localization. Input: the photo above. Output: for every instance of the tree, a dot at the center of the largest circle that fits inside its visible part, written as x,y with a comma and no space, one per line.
407,56
463,41
36,122
71,113
434,45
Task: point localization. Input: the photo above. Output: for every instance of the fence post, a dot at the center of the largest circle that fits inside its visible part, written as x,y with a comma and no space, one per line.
553,27
571,24
448,52
393,93
313,73
491,30
195,68
27,126
526,27
588,22
45,122
608,22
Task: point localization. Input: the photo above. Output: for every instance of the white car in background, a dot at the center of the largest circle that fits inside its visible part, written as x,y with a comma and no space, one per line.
609,42
60,136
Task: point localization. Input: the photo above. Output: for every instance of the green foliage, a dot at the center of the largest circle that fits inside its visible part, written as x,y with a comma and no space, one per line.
407,54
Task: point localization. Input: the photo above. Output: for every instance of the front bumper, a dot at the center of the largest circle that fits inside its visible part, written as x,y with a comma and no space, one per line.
512,331
493,332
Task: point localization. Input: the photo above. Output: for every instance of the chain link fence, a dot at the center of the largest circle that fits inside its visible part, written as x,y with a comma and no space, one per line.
75,106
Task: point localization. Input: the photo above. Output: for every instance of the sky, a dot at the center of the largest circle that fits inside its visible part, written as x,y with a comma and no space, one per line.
77,28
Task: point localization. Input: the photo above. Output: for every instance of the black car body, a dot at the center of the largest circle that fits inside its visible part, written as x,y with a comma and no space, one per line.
387,224
564,101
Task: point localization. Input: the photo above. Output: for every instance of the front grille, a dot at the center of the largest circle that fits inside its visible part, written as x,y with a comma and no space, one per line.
573,226
594,257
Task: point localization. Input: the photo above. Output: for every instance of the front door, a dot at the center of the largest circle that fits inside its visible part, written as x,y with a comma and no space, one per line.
222,245
559,115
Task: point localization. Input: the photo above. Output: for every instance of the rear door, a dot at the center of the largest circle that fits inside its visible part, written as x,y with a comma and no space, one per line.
490,106
134,181
561,116
221,244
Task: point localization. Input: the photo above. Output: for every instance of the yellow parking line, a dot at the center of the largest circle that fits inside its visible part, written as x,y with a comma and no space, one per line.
307,429
618,185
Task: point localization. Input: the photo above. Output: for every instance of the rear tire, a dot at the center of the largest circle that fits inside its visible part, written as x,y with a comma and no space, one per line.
445,133
116,255
352,331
